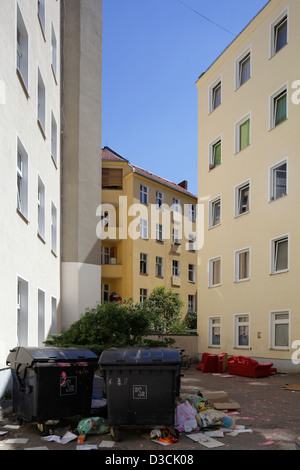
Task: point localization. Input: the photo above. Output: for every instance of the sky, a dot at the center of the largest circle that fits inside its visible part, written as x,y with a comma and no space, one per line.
153,53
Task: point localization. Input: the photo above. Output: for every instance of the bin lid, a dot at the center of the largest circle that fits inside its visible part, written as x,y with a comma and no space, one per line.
31,355
138,356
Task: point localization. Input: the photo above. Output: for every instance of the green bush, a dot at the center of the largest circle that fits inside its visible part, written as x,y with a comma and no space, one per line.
191,320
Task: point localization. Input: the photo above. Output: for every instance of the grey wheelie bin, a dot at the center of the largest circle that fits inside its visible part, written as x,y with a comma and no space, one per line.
51,383
140,386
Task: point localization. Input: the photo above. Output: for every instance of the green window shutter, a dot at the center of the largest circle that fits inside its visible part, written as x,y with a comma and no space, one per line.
245,134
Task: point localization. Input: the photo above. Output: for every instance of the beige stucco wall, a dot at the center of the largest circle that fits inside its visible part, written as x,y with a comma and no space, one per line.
264,292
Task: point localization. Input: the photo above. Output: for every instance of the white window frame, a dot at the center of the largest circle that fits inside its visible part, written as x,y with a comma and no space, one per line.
176,267
274,322
273,26
237,196
274,252
54,61
54,316
192,273
41,317
105,292
22,179
159,201
22,304
211,94
54,139
143,294
237,67
105,255
192,212
41,12
144,264
22,50
144,194
144,234
237,140
237,254
211,209
191,303
272,189
211,152
272,105
41,103
176,205
192,242
176,236
41,208
159,233
211,326
211,267
237,324
54,228
159,266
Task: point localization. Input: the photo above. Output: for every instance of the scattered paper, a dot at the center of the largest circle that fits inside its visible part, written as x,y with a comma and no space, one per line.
37,448
205,440
17,440
214,433
106,444
69,436
11,426
3,432
86,447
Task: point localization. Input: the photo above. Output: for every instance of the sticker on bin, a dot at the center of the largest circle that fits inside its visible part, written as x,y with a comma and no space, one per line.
68,385
140,392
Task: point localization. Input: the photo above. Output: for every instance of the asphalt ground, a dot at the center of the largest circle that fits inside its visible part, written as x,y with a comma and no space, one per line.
269,413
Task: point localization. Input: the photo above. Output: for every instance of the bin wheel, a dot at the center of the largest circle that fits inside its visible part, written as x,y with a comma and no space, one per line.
115,434
43,429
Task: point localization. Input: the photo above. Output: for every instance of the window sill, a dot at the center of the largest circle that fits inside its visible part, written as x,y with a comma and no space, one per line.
279,272
237,281
274,53
160,241
214,226
23,217
54,74
54,161
41,238
276,126
144,274
42,28
23,84
54,254
241,215
241,150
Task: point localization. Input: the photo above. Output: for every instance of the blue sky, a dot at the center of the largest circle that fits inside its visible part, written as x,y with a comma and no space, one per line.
153,53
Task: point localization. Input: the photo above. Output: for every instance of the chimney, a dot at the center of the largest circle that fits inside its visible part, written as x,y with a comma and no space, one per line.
183,184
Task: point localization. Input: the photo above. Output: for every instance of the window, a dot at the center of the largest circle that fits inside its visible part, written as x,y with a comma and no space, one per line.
159,233
192,273
215,95
105,290
278,181
242,133
54,53
105,255
242,323
144,228
278,107
280,254
159,267
215,153
280,330
41,318
191,303
176,205
22,50
22,180
41,208
175,268
53,139
279,33
143,295
214,272
192,242
192,212
41,15
54,328
242,199
143,194
242,265
112,178
159,200
22,312
143,263
53,229
41,111
176,236
243,68
215,212
214,331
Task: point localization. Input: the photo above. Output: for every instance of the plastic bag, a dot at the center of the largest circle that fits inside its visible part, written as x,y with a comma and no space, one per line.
210,418
199,403
184,412
95,425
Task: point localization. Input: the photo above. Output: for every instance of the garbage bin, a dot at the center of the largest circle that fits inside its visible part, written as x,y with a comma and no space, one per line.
140,385
51,383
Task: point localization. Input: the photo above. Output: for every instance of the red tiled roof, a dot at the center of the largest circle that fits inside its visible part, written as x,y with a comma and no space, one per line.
111,155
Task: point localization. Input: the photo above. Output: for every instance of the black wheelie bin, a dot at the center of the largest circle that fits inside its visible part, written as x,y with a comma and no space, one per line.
51,383
140,386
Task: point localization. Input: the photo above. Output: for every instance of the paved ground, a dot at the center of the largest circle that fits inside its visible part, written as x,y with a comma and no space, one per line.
270,412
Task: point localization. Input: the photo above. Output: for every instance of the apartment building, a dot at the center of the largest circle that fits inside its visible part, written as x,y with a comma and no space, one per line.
147,243
35,125
249,171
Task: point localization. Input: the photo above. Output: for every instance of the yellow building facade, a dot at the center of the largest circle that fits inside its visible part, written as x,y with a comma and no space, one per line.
249,168
146,242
